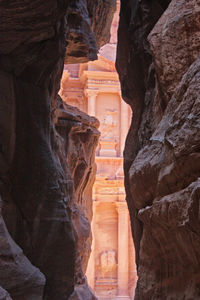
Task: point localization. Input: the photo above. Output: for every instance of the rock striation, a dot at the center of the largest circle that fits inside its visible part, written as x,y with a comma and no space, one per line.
80,135
45,185
160,79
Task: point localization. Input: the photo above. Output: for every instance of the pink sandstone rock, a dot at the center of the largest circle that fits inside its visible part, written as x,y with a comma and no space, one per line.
176,31
88,28
79,151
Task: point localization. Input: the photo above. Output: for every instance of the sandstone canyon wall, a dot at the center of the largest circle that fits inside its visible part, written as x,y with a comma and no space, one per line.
159,67
46,148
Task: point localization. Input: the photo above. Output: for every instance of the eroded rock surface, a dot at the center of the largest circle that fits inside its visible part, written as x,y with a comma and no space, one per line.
175,43
88,28
168,201
45,203
80,135
17,275
160,80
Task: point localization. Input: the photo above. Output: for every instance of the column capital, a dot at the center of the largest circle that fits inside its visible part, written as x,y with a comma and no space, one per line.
123,257
91,93
91,101
122,207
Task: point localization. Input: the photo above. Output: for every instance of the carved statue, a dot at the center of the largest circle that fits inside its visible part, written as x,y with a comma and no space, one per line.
108,125
108,261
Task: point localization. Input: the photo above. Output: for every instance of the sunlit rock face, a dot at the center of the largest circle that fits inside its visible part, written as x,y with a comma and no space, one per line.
37,184
160,79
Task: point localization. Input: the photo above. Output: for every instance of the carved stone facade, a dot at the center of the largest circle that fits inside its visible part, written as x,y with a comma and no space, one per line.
94,88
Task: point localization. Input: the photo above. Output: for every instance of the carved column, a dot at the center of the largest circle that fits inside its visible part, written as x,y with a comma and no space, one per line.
123,271
90,273
124,124
91,96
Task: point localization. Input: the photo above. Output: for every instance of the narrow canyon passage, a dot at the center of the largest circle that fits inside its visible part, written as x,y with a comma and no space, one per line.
94,88
111,271
72,108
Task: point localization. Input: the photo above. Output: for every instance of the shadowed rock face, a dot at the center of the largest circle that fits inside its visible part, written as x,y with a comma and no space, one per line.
101,13
45,185
4,295
17,272
160,79
80,135
88,28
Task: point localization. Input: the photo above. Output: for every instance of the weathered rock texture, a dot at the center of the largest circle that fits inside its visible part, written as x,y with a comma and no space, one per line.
80,136
17,274
88,28
44,192
159,72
